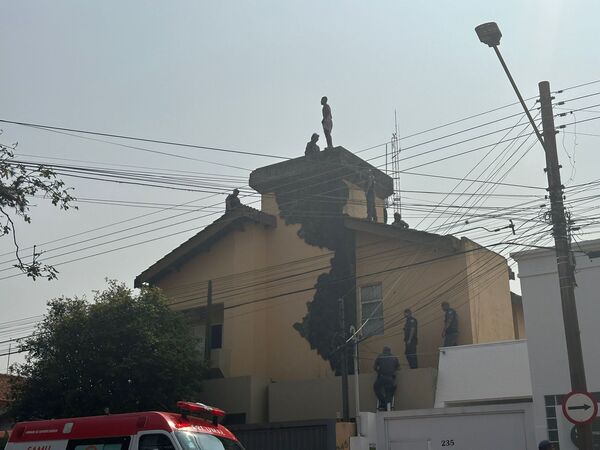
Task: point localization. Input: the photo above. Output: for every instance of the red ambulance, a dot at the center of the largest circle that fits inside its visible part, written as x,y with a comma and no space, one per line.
133,431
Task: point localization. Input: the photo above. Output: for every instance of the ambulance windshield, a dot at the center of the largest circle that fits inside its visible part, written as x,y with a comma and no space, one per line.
202,441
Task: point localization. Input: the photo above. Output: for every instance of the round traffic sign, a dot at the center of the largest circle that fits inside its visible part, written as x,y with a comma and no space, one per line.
579,407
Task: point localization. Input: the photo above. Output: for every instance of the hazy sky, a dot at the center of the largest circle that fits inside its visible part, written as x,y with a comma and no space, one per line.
249,76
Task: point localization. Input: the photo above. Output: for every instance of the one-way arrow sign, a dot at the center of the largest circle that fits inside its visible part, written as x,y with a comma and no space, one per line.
579,407
584,407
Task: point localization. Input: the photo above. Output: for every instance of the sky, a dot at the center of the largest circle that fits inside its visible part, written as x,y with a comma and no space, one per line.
249,76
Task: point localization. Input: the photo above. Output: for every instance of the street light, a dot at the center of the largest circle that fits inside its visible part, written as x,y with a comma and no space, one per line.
490,34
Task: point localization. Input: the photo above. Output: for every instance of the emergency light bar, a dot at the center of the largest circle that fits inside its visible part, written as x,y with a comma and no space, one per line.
194,407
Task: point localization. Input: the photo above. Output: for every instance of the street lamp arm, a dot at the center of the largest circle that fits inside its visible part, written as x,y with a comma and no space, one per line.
514,85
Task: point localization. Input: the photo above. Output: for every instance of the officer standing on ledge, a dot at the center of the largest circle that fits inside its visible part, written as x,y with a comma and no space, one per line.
410,339
450,332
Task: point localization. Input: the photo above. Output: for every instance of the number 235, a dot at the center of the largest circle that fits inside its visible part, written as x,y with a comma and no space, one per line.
448,443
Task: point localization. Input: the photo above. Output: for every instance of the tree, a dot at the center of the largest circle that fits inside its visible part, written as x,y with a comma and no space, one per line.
18,183
123,351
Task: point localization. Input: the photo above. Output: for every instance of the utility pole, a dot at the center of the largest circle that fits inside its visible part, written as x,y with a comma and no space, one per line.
563,258
208,335
345,409
356,382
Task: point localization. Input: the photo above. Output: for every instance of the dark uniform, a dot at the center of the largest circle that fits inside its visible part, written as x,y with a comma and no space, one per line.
386,365
451,336
232,201
410,348
312,150
370,194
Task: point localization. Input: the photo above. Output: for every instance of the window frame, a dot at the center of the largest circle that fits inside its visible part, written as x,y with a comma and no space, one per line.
126,440
379,318
170,435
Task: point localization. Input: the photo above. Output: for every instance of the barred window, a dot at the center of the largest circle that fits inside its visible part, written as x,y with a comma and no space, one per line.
371,301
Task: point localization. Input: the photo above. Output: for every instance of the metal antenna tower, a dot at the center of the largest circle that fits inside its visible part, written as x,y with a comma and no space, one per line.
395,160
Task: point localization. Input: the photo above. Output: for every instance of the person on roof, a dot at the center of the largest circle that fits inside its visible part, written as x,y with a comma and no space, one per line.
232,201
410,338
398,222
327,122
370,196
312,149
450,331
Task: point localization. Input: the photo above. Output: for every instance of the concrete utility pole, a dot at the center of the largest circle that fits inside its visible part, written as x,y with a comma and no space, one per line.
208,331
563,258
356,382
345,408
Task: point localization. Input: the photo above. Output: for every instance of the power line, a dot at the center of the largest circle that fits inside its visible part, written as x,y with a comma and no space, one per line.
140,139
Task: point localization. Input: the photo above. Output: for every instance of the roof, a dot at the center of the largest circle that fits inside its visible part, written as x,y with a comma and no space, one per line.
203,240
328,164
405,234
111,426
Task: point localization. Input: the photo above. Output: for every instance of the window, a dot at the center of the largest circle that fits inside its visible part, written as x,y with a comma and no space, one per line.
155,442
371,301
203,441
113,443
216,336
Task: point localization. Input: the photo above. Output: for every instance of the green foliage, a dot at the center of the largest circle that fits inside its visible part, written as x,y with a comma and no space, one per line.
123,351
19,182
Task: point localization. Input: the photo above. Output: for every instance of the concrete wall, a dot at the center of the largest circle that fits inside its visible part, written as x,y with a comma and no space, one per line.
545,331
322,398
238,395
356,206
483,372
493,427
519,320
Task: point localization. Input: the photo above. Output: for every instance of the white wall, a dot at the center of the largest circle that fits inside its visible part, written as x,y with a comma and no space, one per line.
483,372
496,427
545,329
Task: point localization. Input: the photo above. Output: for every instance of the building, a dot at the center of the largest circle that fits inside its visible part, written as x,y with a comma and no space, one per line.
546,344
277,276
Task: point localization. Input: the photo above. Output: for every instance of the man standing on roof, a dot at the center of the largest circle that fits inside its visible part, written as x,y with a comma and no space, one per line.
410,339
327,122
450,331
386,365
370,196
232,201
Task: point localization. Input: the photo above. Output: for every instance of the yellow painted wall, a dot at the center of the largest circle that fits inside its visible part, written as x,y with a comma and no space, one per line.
519,321
421,288
489,295
356,206
258,337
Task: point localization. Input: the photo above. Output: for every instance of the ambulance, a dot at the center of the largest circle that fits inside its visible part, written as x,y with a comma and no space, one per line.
195,428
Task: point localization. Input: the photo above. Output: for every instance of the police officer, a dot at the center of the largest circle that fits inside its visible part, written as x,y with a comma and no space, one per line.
410,339
232,201
386,365
450,331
